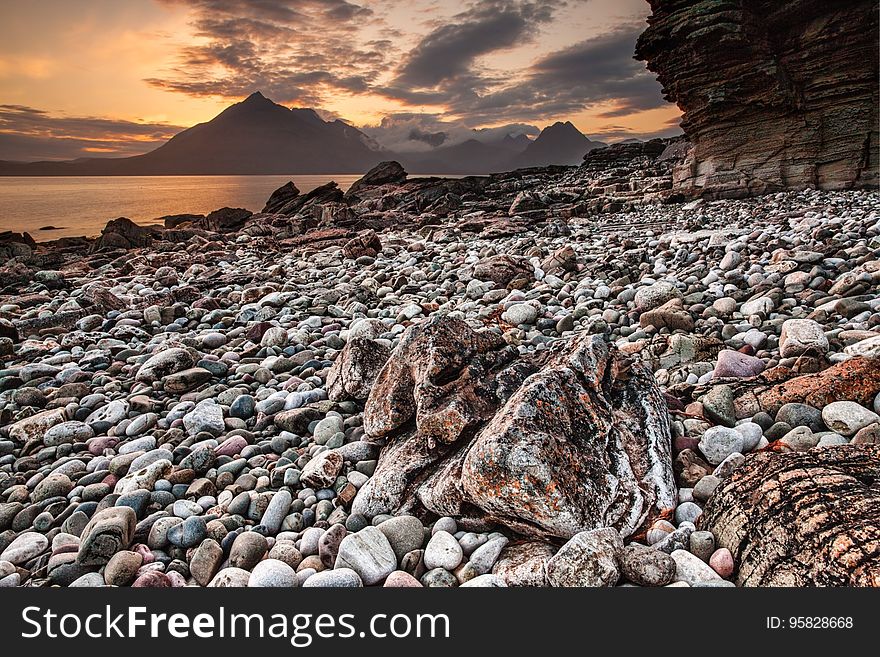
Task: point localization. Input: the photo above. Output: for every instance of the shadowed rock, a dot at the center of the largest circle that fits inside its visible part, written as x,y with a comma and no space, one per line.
280,197
383,173
754,109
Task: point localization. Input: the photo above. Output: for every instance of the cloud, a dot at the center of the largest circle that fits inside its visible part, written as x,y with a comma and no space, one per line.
27,133
449,51
600,70
418,132
294,51
614,133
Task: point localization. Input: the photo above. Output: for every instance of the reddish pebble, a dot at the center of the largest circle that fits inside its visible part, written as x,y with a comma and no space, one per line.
98,445
152,579
231,446
177,580
144,551
722,562
402,580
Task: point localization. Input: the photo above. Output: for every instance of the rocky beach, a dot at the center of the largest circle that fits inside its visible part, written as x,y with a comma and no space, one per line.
566,376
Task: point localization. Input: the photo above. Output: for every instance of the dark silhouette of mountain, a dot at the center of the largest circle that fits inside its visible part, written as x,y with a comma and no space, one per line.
560,143
471,156
255,136
258,136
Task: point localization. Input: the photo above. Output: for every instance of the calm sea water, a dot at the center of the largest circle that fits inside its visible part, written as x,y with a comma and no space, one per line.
83,205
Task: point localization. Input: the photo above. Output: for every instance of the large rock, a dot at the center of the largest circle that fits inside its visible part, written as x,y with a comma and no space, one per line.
226,220
588,559
281,197
856,379
367,244
383,173
801,518
106,533
162,364
505,271
356,368
774,94
581,444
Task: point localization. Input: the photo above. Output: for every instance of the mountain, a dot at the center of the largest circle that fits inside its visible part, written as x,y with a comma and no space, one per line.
471,156
560,143
255,136
258,136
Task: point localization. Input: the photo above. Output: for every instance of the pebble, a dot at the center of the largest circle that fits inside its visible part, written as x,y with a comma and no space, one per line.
720,442
272,573
847,417
646,566
691,569
443,551
588,559
367,553
340,577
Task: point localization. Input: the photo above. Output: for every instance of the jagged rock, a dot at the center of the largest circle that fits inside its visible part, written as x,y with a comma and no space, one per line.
505,271
226,220
281,197
327,193
123,233
801,518
383,173
534,454
526,202
745,75
856,379
174,220
356,368
563,259
365,244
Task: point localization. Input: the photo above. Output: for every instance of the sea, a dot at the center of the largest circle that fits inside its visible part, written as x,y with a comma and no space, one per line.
82,205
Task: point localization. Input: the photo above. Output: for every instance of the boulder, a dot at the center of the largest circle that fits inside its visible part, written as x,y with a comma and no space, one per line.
801,518
367,244
280,197
384,173
505,271
491,444
226,220
356,368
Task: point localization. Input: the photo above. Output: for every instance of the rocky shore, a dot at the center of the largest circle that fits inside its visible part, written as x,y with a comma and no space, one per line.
553,377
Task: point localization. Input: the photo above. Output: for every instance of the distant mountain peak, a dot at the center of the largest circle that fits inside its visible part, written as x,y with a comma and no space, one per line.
561,128
559,143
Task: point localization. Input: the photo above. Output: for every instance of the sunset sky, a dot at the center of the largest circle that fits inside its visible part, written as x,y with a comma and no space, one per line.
111,77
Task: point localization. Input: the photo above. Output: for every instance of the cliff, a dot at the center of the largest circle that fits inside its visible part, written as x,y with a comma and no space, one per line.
774,94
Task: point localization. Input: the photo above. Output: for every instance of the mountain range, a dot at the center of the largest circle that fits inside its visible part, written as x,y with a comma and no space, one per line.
258,136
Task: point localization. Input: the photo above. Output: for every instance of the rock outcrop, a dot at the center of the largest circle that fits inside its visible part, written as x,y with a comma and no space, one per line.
774,95
802,518
550,449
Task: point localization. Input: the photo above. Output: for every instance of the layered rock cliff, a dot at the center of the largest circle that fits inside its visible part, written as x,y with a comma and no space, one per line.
774,94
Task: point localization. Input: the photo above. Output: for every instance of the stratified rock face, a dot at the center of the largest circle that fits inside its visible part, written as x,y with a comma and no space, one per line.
774,94
576,443
802,518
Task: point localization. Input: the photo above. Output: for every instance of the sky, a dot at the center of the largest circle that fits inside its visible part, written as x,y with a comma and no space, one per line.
113,78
